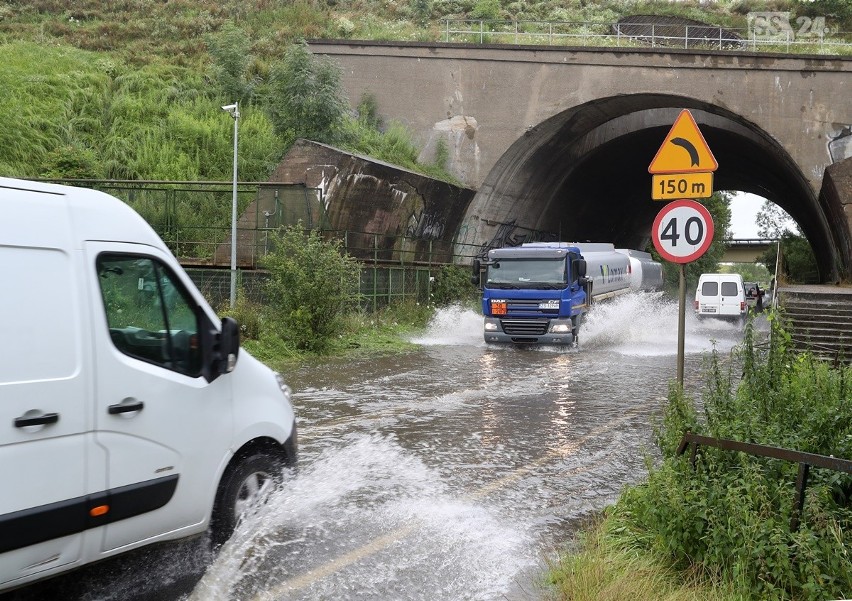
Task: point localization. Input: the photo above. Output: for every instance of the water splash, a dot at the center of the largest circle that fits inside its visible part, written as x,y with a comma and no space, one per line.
646,324
386,519
638,323
453,325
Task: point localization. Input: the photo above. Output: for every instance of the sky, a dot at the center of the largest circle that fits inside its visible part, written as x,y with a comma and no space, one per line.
744,208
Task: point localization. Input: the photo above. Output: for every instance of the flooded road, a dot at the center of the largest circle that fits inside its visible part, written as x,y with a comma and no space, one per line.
454,471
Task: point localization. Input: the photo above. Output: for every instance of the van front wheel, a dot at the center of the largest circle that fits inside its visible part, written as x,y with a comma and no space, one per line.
244,486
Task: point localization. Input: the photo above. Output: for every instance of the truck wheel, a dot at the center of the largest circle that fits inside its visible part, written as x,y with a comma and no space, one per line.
243,484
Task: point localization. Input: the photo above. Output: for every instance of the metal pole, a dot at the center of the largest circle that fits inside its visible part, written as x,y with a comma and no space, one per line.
236,116
681,326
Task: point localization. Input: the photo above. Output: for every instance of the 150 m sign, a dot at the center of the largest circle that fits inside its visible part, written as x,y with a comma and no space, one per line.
682,231
681,185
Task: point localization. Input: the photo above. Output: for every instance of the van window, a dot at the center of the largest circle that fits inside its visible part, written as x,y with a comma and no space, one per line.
730,289
150,314
710,288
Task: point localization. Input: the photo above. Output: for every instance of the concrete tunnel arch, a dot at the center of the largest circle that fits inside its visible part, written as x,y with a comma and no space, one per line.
583,175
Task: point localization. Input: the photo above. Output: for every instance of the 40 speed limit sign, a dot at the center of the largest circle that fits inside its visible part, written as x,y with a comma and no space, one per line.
682,231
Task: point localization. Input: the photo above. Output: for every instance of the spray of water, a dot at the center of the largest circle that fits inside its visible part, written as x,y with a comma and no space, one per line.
452,326
646,323
388,519
638,323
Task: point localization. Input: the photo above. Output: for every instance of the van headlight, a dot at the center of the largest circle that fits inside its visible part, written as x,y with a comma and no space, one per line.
285,390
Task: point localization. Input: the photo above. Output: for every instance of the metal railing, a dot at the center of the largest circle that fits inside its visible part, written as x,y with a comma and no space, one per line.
556,33
805,461
379,285
193,219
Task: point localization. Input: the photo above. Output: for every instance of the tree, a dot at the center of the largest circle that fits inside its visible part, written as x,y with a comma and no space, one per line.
306,97
798,261
231,58
773,221
312,283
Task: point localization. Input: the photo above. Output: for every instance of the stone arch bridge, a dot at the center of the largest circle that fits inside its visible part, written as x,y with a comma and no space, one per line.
557,141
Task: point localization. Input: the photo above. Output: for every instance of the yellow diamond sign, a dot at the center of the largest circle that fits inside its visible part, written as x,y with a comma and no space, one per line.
684,149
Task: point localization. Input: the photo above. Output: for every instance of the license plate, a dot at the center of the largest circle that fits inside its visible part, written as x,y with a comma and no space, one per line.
551,304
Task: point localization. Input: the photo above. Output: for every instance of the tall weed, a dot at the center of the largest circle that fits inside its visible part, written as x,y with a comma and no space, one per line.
731,514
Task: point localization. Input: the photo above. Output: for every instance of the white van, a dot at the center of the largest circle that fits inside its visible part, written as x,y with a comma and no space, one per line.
720,295
126,417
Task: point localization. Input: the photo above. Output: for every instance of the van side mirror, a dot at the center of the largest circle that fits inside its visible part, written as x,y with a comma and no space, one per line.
220,346
474,278
229,344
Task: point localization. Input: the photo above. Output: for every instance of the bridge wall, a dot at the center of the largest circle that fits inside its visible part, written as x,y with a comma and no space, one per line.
555,138
484,98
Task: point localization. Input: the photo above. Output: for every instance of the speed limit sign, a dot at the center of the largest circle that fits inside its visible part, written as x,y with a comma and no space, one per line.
683,231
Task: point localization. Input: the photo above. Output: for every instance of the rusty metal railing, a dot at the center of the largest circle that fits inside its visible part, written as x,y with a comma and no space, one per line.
805,461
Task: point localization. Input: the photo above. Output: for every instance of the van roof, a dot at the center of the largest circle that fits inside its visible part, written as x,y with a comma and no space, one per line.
92,215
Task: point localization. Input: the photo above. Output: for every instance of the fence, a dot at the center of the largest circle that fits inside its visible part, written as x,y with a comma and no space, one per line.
624,35
805,461
380,285
194,220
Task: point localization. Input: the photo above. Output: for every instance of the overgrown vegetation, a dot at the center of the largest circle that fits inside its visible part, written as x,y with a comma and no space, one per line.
452,285
310,287
728,519
798,264
132,89
78,114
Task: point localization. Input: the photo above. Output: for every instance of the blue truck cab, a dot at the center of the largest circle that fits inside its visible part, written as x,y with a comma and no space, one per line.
533,293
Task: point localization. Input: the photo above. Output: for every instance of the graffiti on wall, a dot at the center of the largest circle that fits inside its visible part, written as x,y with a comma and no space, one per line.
511,234
424,226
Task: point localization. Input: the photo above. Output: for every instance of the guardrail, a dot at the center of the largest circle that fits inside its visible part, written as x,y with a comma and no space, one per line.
805,461
554,33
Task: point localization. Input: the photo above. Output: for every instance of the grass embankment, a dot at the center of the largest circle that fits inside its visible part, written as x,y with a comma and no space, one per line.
727,522
387,331
132,89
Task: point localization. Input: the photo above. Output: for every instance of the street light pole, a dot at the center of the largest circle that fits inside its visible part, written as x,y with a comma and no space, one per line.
234,111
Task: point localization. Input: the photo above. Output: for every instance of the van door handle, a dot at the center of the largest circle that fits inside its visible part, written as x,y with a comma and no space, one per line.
125,407
39,420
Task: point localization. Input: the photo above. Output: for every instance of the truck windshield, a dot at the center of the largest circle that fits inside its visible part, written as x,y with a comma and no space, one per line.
527,273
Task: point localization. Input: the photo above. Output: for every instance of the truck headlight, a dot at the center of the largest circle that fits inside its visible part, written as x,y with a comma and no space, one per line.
490,326
560,328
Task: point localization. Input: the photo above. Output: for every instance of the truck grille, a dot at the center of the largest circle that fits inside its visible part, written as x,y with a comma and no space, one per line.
524,327
529,306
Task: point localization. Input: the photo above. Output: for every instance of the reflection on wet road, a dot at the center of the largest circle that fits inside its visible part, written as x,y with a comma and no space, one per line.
455,471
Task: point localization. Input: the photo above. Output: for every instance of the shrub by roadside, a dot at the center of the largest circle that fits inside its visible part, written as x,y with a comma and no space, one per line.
728,520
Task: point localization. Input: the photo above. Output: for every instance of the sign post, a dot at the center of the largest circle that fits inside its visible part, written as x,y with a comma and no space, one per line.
682,232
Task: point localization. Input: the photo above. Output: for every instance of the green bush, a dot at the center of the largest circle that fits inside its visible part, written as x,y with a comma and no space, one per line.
312,285
452,285
248,315
306,98
731,514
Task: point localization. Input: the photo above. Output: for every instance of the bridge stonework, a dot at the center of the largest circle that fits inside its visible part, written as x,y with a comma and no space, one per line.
558,140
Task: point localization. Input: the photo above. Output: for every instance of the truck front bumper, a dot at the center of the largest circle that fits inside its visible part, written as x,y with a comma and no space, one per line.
528,331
